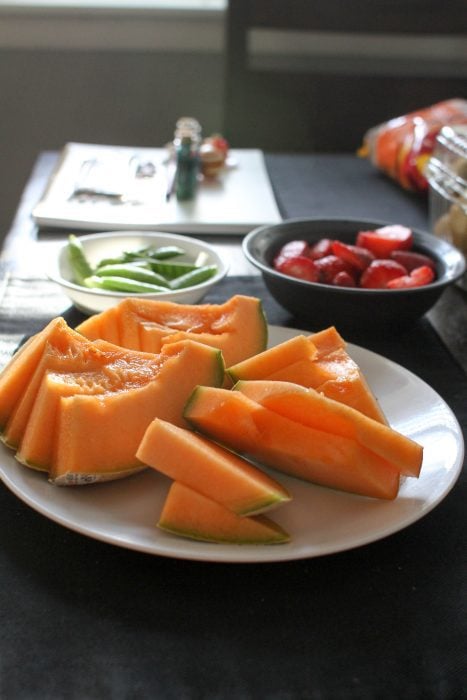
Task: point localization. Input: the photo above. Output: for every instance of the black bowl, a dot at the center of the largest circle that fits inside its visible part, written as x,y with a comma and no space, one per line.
323,305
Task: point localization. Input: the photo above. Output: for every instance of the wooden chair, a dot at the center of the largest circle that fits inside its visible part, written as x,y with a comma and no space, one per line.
316,74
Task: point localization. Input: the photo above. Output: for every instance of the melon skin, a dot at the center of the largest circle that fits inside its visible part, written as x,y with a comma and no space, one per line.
187,513
315,410
237,327
97,436
245,426
210,469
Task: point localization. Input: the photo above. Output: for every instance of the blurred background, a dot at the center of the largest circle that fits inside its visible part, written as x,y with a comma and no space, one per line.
275,74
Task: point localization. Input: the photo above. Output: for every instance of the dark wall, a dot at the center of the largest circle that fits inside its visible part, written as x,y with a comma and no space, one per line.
130,98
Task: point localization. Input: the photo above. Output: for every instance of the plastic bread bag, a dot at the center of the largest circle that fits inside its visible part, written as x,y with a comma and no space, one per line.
401,147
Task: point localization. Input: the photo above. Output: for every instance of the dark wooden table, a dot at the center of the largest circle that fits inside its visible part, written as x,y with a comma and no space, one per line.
82,619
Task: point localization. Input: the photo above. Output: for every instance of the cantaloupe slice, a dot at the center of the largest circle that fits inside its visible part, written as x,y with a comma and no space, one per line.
245,426
63,350
210,469
329,369
16,375
310,408
187,513
97,436
272,360
237,327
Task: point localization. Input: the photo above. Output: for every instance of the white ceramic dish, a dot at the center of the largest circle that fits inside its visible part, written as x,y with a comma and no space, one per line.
106,245
320,521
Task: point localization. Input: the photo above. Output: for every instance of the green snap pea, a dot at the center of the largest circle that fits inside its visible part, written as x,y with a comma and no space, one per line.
122,284
144,254
79,264
171,270
132,271
200,274
146,270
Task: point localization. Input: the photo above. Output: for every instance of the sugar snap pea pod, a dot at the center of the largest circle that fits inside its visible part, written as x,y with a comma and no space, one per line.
200,274
132,271
149,253
122,284
170,270
164,252
79,264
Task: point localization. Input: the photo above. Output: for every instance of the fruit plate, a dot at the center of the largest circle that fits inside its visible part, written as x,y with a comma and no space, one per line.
320,521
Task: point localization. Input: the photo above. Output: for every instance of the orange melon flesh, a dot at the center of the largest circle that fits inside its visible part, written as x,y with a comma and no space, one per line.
209,469
97,436
245,426
187,513
67,350
274,359
327,340
329,369
237,327
310,408
348,385
107,373
62,349
16,375
36,447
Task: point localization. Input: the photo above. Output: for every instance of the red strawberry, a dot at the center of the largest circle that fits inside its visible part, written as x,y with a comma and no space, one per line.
299,266
329,266
320,249
411,260
380,272
417,278
343,279
383,241
356,256
290,250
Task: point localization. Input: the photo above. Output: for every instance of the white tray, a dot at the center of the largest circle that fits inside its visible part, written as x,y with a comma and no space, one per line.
240,199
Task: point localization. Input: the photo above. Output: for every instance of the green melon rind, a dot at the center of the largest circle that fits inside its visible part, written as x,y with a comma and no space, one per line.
277,537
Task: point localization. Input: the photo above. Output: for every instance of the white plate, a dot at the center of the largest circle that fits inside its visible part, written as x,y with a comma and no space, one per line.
320,521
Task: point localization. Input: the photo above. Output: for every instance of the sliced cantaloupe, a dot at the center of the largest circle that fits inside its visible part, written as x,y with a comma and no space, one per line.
237,327
266,363
327,340
346,383
245,426
210,469
97,436
63,348
16,375
188,513
329,369
310,408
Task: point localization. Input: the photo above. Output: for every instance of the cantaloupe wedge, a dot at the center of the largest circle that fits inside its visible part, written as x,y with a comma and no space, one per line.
16,375
97,436
328,368
275,359
237,327
310,408
187,513
210,469
65,351
245,426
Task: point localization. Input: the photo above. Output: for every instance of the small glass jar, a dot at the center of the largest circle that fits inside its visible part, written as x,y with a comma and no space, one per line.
447,179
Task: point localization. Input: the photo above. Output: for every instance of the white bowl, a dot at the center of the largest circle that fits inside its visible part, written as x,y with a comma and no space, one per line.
97,246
